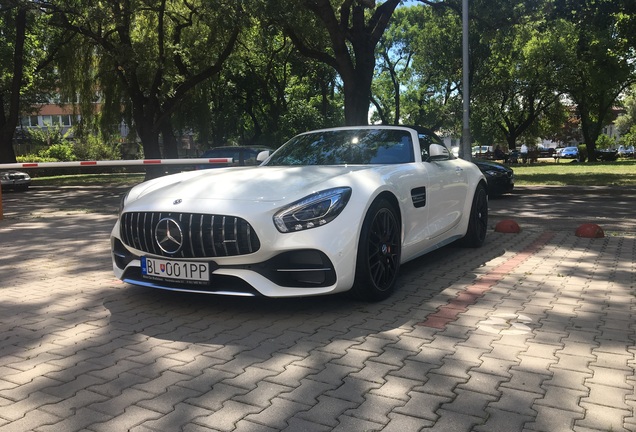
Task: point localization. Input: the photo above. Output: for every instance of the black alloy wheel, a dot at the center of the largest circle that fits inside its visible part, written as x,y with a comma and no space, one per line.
478,219
379,253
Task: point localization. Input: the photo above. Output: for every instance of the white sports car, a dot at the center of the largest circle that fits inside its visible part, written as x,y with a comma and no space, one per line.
331,210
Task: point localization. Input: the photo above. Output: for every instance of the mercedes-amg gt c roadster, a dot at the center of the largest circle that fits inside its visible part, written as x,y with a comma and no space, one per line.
329,211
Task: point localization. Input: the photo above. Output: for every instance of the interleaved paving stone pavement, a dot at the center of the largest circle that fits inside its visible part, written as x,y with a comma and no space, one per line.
533,332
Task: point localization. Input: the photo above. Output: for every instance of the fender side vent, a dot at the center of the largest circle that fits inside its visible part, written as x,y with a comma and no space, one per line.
418,195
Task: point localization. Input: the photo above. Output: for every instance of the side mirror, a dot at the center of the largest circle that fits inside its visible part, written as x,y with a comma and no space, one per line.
438,152
262,156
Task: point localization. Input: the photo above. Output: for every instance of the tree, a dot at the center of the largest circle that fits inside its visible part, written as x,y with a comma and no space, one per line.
419,69
627,120
26,51
147,57
395,53
12,18
342,34
564,127
276,89
599,67
266,93
517,84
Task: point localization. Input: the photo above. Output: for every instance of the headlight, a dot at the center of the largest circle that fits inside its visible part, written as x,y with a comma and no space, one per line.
494,173
313,211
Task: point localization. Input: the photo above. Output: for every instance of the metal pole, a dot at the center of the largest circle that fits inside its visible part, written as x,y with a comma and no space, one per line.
466,150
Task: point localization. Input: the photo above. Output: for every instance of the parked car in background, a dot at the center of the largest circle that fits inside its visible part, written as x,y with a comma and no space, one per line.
625,151
606,155
567,153
483,152
241,156
332,210
500,177
545,152
15,180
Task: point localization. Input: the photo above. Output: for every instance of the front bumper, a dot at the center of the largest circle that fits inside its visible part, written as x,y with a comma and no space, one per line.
294,268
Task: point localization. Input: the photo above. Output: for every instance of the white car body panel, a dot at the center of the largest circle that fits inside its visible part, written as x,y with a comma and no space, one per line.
256,194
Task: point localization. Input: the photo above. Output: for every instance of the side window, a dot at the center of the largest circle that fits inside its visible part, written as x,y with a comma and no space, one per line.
250,156
425,143
236,158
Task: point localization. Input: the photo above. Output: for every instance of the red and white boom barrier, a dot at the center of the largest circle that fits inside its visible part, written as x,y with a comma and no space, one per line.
134,162
117,163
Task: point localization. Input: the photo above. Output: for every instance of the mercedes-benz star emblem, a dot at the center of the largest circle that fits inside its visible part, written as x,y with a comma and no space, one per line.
169,236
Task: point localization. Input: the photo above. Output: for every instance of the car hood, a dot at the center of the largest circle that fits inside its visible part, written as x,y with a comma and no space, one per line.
260,184
482,164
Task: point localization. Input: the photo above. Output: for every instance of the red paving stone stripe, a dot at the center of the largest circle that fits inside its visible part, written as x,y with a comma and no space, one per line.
448,312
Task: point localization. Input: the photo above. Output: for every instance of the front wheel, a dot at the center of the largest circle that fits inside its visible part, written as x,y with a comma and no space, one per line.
478,222
379,252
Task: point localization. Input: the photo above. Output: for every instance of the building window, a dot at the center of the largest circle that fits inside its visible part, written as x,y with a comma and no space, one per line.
29,121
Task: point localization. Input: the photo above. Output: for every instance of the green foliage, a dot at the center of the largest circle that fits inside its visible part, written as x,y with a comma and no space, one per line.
145,62
605,142
35,158
419,69
514,86
94,148
44,137
62,152
26,78
626,121
583,154
599,65
629,139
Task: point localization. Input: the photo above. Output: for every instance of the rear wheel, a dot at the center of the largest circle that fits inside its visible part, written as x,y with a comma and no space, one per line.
379,252
478,222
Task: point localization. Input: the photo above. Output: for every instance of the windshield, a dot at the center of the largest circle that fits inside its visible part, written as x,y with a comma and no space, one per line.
346,147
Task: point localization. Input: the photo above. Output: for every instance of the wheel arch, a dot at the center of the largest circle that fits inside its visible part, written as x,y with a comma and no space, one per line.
392,199
395,203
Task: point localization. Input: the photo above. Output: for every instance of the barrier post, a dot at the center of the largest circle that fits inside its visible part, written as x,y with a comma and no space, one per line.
1,215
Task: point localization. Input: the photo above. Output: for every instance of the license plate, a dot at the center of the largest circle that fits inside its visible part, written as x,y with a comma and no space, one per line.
175,270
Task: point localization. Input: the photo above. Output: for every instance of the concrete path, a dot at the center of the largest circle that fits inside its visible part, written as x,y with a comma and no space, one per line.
533,332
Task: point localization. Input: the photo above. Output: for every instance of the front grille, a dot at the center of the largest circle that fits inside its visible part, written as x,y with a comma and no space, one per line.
204,235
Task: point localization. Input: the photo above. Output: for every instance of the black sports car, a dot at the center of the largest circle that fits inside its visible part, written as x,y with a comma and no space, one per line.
500,177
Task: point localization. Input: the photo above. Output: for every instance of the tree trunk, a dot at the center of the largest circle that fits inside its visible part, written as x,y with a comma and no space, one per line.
511,140
149,136
589,130
170,145
357,82
9,121
7,154
357,100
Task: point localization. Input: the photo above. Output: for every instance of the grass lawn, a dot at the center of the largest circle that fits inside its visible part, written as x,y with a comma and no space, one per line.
545,172
618,173
90,180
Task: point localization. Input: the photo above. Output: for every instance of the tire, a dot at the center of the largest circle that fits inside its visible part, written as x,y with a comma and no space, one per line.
478,219
379,253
